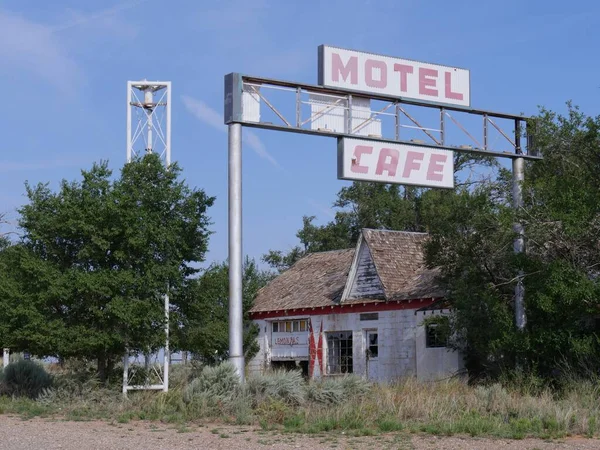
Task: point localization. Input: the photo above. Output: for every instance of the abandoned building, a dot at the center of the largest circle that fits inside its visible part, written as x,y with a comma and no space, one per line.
357,311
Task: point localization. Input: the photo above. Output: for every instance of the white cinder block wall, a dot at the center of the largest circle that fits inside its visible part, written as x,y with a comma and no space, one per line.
435,363
396,340
401,339
262,360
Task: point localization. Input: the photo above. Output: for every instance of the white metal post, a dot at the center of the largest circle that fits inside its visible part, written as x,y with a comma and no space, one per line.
149,100
167,355
6,357
125,371
166,352
236,350
129,142
168,125
518,166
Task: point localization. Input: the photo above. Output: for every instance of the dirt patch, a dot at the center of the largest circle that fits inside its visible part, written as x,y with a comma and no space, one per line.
53,434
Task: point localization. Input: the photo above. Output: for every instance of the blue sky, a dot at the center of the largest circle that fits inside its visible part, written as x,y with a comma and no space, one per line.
65,64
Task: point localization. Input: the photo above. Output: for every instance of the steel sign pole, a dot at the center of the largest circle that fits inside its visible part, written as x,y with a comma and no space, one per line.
236,351
518,167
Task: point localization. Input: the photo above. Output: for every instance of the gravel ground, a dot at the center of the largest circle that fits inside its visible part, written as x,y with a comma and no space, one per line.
52,434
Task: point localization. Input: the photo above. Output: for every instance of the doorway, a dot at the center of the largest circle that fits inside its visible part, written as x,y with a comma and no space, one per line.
372,355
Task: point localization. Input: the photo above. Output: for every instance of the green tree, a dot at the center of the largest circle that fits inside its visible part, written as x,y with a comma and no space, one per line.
361,205
205,311
472,243
96,259
373,205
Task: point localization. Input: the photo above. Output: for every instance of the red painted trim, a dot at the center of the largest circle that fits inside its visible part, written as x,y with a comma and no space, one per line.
345,309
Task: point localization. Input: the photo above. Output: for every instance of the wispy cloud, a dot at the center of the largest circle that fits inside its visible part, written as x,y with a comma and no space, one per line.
39,48
204,113
33,47
106,18
257,145
249,22
321,208
209,116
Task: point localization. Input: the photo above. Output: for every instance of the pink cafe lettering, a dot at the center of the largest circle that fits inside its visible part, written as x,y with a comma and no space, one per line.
387,162
290,340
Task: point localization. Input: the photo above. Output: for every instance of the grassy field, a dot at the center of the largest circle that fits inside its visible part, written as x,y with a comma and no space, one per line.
286,402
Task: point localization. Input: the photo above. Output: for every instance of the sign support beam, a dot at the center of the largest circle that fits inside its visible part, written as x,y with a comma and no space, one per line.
236,350
518,167
519,243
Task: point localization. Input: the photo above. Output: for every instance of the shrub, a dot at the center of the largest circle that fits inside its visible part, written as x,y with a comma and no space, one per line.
286,386
337,390
219,383
25,378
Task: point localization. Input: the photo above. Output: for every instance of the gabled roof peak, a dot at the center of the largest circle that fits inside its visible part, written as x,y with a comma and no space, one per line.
320,279
382,230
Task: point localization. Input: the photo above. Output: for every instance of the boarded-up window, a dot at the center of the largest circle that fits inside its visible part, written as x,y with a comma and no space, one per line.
339,352
369,316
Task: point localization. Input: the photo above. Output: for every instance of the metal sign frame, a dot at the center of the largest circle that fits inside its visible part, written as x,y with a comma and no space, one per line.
236,84
239,86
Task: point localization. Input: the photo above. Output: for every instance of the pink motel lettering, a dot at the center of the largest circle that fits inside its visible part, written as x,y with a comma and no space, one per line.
377,74
369,160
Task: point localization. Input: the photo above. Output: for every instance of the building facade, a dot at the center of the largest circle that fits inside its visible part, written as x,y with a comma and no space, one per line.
357,311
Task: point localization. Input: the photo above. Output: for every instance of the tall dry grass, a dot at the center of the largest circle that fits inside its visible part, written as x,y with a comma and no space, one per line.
286,401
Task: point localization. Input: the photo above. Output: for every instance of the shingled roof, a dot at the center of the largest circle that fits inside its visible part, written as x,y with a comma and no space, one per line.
400,264
320,279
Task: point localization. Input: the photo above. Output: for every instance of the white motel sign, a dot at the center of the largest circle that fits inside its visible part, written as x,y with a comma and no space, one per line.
385,75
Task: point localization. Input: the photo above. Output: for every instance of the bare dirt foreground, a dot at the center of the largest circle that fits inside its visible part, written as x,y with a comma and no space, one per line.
52,434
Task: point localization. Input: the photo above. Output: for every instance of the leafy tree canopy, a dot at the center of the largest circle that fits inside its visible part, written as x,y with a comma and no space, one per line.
96,259
205,311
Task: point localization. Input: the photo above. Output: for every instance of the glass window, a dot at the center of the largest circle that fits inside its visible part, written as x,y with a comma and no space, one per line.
275,327
339,352
303,325
435,336
288,327
372,344
296,326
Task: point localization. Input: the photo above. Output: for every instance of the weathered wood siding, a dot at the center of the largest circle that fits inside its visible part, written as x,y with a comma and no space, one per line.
366,281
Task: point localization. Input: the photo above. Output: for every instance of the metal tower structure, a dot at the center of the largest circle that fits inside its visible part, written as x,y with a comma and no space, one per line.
149,131
149,119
